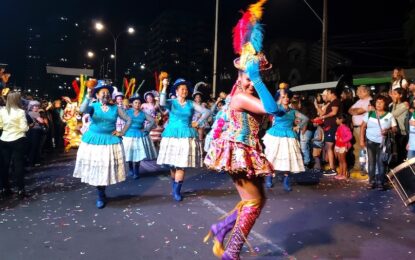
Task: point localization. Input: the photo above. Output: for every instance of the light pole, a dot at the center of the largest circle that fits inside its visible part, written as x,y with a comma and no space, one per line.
323,39
215,50
130,30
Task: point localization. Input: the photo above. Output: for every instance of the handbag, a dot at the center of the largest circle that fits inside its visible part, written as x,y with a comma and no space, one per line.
386,145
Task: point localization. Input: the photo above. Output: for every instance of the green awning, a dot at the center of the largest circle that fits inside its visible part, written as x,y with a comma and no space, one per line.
371,81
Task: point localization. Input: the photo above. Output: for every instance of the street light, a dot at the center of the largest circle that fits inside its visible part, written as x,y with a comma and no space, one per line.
99,26
90,54
130,30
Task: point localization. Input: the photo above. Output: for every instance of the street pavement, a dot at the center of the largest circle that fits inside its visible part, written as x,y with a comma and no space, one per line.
322,218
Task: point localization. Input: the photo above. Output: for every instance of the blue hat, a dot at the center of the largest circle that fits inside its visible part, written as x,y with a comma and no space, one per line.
135,97
102,84
179,82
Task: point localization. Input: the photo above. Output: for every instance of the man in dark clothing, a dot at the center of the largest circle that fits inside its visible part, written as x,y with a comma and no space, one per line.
329,126
58,125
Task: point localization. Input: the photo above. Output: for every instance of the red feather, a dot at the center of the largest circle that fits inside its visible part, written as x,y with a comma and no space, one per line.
75,87
241,31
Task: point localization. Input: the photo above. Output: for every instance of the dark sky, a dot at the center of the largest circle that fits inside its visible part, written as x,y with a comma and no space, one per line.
282,18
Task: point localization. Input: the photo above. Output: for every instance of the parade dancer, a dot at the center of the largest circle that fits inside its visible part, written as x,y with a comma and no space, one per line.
100,160
118,97
137,143
152,108
198,98
180,147
281,141
221,121
237,150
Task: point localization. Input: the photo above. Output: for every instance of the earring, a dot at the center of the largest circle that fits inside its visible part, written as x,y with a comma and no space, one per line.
239,86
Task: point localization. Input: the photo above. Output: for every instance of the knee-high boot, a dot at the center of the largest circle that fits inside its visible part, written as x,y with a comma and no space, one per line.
130,169
136,171
220,229
177,186
246,218
102,198
268,182
286,183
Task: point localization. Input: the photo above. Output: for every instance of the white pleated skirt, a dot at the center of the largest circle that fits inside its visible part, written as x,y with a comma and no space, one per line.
137,149
180,152
283,153
100,165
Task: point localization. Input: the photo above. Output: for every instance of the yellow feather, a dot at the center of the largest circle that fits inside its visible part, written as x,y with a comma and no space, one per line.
256,10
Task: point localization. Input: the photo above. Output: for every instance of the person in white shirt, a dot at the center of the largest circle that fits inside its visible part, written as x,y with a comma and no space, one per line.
13,144
358,111
398,79
375,126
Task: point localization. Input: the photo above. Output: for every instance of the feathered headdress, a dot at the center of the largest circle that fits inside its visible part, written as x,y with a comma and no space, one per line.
248,35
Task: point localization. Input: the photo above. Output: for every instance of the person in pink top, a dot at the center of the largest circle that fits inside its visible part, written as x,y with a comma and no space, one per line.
343,138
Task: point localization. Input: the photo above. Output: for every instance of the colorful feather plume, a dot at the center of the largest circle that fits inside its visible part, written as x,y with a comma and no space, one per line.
241,32
248,28
257,37
256,10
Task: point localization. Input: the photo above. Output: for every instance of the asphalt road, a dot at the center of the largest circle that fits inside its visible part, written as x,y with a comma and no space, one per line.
322,218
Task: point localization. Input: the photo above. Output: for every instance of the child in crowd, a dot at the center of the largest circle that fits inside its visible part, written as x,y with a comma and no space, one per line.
318,142
343,138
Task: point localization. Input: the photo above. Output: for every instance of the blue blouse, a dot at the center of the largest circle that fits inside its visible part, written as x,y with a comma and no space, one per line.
180,120
137,124
102,126
282,125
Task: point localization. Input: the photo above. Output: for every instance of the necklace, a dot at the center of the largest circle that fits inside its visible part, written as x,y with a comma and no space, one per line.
104,108
182,103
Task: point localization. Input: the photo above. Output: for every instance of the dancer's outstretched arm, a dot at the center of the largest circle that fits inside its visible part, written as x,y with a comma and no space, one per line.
204,111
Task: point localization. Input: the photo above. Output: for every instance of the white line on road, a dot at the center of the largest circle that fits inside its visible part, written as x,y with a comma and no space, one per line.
257,236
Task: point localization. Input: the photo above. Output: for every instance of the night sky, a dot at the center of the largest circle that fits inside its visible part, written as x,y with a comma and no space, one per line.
282,19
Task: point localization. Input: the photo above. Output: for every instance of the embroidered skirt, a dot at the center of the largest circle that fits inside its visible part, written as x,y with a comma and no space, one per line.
100,165
139,148
284,153
237,158
180,152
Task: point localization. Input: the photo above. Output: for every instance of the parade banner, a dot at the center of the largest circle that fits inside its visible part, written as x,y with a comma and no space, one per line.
69,71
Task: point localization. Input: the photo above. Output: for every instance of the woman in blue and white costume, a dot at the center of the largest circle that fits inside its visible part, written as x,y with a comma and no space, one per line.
137,143
100,160
282,148
180,146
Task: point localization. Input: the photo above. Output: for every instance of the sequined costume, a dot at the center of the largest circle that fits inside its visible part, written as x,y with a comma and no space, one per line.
238,149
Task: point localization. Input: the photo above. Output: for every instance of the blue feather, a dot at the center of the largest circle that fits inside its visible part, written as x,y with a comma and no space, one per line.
257,36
